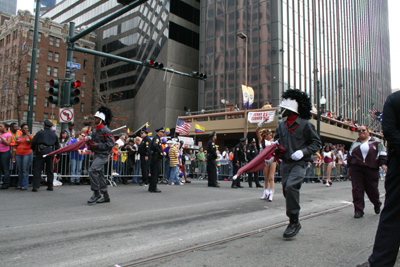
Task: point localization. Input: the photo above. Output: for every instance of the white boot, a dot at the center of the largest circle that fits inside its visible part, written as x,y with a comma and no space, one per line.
271,195
265,194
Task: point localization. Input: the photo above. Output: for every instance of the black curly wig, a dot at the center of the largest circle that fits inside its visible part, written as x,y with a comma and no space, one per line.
302,99
108,113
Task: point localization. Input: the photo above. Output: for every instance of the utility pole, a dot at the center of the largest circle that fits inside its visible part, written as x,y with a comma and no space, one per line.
33,67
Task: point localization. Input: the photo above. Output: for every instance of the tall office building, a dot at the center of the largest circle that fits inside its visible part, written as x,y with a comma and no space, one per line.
8,6
165,31
45,5
342,44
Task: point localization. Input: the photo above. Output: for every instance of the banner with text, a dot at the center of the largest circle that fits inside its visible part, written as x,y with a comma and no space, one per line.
256,117
251,96
245,96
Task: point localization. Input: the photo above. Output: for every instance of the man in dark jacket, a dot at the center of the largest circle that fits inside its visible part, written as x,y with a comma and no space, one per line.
103,142
238,159
300,140
252,152
156,156
144,151
387,240
44,142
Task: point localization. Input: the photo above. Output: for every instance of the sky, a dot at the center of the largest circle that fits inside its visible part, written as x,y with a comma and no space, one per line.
394,23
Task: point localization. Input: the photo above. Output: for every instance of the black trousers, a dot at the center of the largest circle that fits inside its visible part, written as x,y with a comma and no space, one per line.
235,170
155,168
212,172
38,167
387,239
145,164
253,176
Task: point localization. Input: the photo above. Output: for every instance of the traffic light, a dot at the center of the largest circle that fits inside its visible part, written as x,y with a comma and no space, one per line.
75,92
54,91
153,64
279,114
199,75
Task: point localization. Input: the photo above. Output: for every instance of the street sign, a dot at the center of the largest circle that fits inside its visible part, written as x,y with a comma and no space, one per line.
66,115
73,65
73,70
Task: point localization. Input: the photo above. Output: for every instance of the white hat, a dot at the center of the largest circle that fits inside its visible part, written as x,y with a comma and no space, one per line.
169,142
100,115
290,105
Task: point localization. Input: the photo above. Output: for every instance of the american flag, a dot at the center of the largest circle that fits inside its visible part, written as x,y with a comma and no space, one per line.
372,113
182,127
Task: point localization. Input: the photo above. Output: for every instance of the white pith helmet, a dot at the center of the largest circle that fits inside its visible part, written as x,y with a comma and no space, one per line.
290,104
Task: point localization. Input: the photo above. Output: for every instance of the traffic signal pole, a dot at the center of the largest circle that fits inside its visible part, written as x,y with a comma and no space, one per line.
66,86
33,68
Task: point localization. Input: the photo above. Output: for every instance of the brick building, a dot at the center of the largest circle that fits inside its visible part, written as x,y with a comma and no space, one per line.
16,38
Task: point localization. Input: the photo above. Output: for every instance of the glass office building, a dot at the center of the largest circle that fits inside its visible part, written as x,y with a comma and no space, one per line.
342,44
8,6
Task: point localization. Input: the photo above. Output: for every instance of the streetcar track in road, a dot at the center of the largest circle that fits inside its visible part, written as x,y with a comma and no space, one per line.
228,239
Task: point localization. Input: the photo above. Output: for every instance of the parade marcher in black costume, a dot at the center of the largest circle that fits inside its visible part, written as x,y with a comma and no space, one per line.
102,144
238,158
44,142
211,161
300,140
252,152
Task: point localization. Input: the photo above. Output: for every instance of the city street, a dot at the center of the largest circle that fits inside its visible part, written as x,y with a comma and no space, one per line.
60,229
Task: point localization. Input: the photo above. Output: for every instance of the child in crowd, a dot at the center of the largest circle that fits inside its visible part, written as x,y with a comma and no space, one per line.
115,155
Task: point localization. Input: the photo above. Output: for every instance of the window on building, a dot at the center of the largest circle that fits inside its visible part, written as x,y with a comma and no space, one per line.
47,86
26,99
56,57
28,66
45,116
82,107
74,59
39,37
84,78
48,70
52,116
53,105
27,82
50,56
34,100
37,68
2,42
15,34
46,102
84,63
35,84
51,40
55,72
8,39
82,92
26,115
58,40
31,35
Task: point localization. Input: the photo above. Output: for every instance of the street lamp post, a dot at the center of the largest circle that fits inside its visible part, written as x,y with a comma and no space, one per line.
320,102
244,36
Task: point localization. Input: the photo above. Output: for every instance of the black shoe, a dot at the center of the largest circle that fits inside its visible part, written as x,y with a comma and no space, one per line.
292,230
96,196
71,183
34,190
188,182
4,187
358,215
217,185
234,186
105,199
50,189
259,186
239,186
155,191
377,210
250,186
78,183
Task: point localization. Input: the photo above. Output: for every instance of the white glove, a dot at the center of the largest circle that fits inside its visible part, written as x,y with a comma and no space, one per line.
234,177
298,155
275,142
261,123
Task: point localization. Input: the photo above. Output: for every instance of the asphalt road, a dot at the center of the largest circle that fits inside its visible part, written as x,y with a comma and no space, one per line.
60,229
